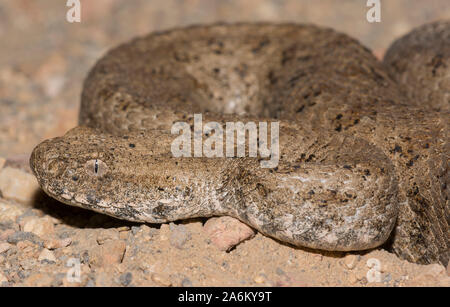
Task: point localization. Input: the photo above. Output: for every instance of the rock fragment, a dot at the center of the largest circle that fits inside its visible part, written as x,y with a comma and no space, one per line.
179,235
18,236
259,279
9,211
226,232
18,185
54,243
161,280
110,253
5,234
4,247
125,279
47,255
350,261
41,227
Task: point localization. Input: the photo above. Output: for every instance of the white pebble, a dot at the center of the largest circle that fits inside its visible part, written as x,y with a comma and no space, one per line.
47,255
18,185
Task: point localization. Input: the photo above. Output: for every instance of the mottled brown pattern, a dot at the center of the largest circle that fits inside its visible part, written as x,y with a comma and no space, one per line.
420,61
355,152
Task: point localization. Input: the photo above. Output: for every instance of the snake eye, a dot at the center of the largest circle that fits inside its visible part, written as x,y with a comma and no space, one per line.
96,168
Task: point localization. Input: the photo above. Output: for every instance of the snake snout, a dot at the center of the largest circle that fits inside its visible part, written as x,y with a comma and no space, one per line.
45,162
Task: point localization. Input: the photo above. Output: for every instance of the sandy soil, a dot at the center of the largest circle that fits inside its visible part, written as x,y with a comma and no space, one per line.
42,242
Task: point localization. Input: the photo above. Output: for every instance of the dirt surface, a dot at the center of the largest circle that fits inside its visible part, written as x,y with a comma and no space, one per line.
42,242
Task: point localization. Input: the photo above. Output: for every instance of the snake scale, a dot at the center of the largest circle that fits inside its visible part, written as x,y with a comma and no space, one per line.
363,143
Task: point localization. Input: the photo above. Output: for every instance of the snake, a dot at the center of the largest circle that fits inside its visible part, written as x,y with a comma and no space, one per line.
363,143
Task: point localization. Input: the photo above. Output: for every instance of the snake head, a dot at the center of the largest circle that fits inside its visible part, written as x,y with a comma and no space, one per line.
81,169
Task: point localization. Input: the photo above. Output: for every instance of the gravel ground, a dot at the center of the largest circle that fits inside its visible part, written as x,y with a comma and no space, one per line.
43,62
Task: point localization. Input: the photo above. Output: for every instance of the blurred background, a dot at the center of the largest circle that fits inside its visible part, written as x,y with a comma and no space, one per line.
44,58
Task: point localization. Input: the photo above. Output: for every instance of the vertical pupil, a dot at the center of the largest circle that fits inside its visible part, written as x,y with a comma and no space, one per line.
96,167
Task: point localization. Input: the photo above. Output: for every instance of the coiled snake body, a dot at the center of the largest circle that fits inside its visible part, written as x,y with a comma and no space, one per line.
363,147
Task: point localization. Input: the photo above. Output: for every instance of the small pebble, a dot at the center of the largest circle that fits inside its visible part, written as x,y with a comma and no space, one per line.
18,185
387,278
125,279
23,236
84,257
57,243
226,232
350,261
161,280
179,235
110,253
135,229
41,227
47,255
259,279
352,279
10,211
5,234
123,228
24,244
186,283
4,247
